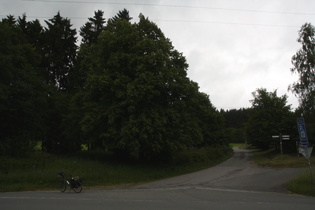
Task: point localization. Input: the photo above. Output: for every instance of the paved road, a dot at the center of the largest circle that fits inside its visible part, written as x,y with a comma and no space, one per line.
237,173
235,184
155,199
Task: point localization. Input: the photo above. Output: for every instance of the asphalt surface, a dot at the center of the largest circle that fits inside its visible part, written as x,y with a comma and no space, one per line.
237,173
235,184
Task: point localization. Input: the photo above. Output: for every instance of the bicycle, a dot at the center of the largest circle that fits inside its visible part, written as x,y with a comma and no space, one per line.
74,183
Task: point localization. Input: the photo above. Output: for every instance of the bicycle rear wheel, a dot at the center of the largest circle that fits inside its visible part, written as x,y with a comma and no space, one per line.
77,189
77,185
62,186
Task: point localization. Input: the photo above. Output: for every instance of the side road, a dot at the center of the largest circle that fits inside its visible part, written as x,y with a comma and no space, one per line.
237,173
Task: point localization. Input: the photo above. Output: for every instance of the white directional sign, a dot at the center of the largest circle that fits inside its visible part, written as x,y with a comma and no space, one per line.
306,152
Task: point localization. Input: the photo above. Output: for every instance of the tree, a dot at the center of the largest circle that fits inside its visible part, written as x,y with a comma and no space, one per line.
10,20
73,136
33,31
138,99
22,93
235,123
270,116
304,64
59,51
122,15
92,29
90,33
59,59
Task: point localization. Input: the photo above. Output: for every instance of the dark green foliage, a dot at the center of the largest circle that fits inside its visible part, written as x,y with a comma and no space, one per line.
10,20
195,156
122,15
304,64
89,33
92,29
270,116
59,51
138,100
33,31
22,94
52,58
235,118
125,91
235,124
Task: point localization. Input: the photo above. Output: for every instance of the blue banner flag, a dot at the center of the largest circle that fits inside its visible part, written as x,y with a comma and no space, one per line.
302,132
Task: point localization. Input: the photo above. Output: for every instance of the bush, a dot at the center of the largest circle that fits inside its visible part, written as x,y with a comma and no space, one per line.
209,154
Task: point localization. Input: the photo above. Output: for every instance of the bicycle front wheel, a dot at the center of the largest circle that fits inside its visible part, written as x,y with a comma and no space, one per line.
62,186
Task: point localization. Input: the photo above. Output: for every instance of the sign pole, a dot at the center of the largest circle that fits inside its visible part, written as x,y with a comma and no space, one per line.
281,149
311,169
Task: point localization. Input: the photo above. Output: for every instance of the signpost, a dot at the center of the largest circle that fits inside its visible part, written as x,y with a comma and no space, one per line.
281,138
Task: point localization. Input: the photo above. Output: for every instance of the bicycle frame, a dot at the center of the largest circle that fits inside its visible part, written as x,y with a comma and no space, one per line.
74,183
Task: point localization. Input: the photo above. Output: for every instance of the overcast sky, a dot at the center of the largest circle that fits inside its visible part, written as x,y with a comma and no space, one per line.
233,47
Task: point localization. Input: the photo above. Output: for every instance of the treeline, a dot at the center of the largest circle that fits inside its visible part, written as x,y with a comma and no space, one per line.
269,115
124,89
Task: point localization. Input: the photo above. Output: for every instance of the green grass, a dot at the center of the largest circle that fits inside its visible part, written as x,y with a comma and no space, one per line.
271,158
38,171
241,145
304,184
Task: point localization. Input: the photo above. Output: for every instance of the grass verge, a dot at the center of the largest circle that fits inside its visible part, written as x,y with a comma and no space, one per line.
38,171
271,158
304,184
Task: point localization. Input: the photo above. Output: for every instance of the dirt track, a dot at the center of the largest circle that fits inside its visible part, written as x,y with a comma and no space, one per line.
237,173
